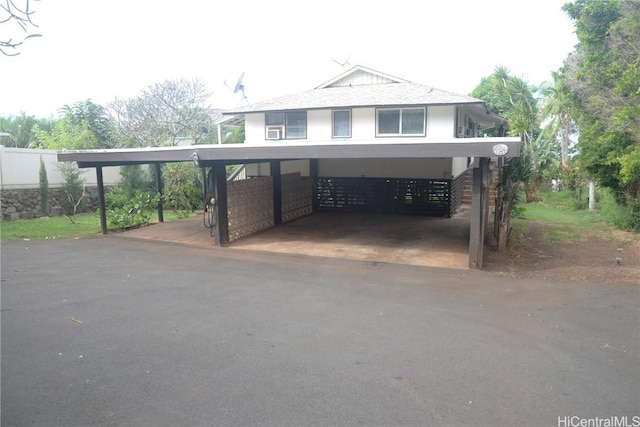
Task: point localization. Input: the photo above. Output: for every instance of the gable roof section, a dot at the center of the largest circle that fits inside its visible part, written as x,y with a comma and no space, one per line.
363,87
370,95
361,75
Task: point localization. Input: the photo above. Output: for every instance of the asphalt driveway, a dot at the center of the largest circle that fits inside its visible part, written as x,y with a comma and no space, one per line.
129,332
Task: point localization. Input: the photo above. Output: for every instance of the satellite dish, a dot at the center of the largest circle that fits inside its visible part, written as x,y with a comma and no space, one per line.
239,86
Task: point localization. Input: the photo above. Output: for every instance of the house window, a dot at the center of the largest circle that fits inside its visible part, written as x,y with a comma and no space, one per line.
341,124
400,121
290,125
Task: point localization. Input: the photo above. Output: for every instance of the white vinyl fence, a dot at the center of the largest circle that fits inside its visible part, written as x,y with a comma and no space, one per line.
20,169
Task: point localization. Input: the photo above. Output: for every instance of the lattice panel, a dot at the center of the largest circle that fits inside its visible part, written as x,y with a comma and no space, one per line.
457,192
250,206
426,197
297,196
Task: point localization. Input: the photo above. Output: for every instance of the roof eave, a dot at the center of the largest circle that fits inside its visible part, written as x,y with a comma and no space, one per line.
334,106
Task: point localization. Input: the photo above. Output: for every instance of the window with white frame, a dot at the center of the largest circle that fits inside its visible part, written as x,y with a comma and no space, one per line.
341,124
400,121
288,125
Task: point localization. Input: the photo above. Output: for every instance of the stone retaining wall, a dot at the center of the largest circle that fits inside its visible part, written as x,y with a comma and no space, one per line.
25,203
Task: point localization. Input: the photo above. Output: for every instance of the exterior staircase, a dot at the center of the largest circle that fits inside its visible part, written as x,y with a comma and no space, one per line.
468,185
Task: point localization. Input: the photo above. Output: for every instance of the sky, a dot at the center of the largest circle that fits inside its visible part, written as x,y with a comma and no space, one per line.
107,49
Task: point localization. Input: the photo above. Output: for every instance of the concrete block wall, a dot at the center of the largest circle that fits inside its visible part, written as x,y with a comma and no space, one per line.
250,206
297,196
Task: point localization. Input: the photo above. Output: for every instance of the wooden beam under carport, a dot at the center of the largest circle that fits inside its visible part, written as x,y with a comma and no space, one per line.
101,200
221,203
160,191
274,166
479,212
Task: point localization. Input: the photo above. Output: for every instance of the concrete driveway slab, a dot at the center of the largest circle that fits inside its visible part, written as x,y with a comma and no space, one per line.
433,242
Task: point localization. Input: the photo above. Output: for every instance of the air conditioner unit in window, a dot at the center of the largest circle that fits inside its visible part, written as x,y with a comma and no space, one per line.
275,132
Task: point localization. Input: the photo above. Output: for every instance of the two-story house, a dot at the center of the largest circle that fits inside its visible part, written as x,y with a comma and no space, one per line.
363,141
363,106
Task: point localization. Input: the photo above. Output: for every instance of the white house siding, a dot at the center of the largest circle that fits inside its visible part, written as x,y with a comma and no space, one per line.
363,124
295,166
383,168
258,169
361,78
319,125
286,167
441,122
254,128
458,166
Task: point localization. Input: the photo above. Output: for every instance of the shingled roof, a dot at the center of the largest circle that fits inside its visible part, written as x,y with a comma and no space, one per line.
351,90
372,95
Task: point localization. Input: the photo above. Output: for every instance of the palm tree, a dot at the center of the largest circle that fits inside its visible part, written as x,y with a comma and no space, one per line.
522,116
556,112
512,98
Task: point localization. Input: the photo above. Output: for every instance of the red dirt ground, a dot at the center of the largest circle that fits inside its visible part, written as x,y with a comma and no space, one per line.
591,259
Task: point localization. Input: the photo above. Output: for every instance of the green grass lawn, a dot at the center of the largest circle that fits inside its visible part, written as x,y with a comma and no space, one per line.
562,221
59,227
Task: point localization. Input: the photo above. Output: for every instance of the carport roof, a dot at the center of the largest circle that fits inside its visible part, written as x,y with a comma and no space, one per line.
395,148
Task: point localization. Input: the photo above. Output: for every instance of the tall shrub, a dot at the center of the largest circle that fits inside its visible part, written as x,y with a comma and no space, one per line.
182,188
135,179
44,187
124,211
73,191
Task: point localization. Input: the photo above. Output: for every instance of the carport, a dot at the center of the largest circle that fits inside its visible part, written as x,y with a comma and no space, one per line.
217,157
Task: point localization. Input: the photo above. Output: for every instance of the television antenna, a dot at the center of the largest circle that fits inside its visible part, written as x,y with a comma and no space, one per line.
343,63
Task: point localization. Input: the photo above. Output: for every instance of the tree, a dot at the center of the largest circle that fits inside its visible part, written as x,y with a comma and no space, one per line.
182,188
21,129
94,117
556,112
165,114
73,191
15,17
603,77
66,135
83,126
232,134
512,98
44,187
